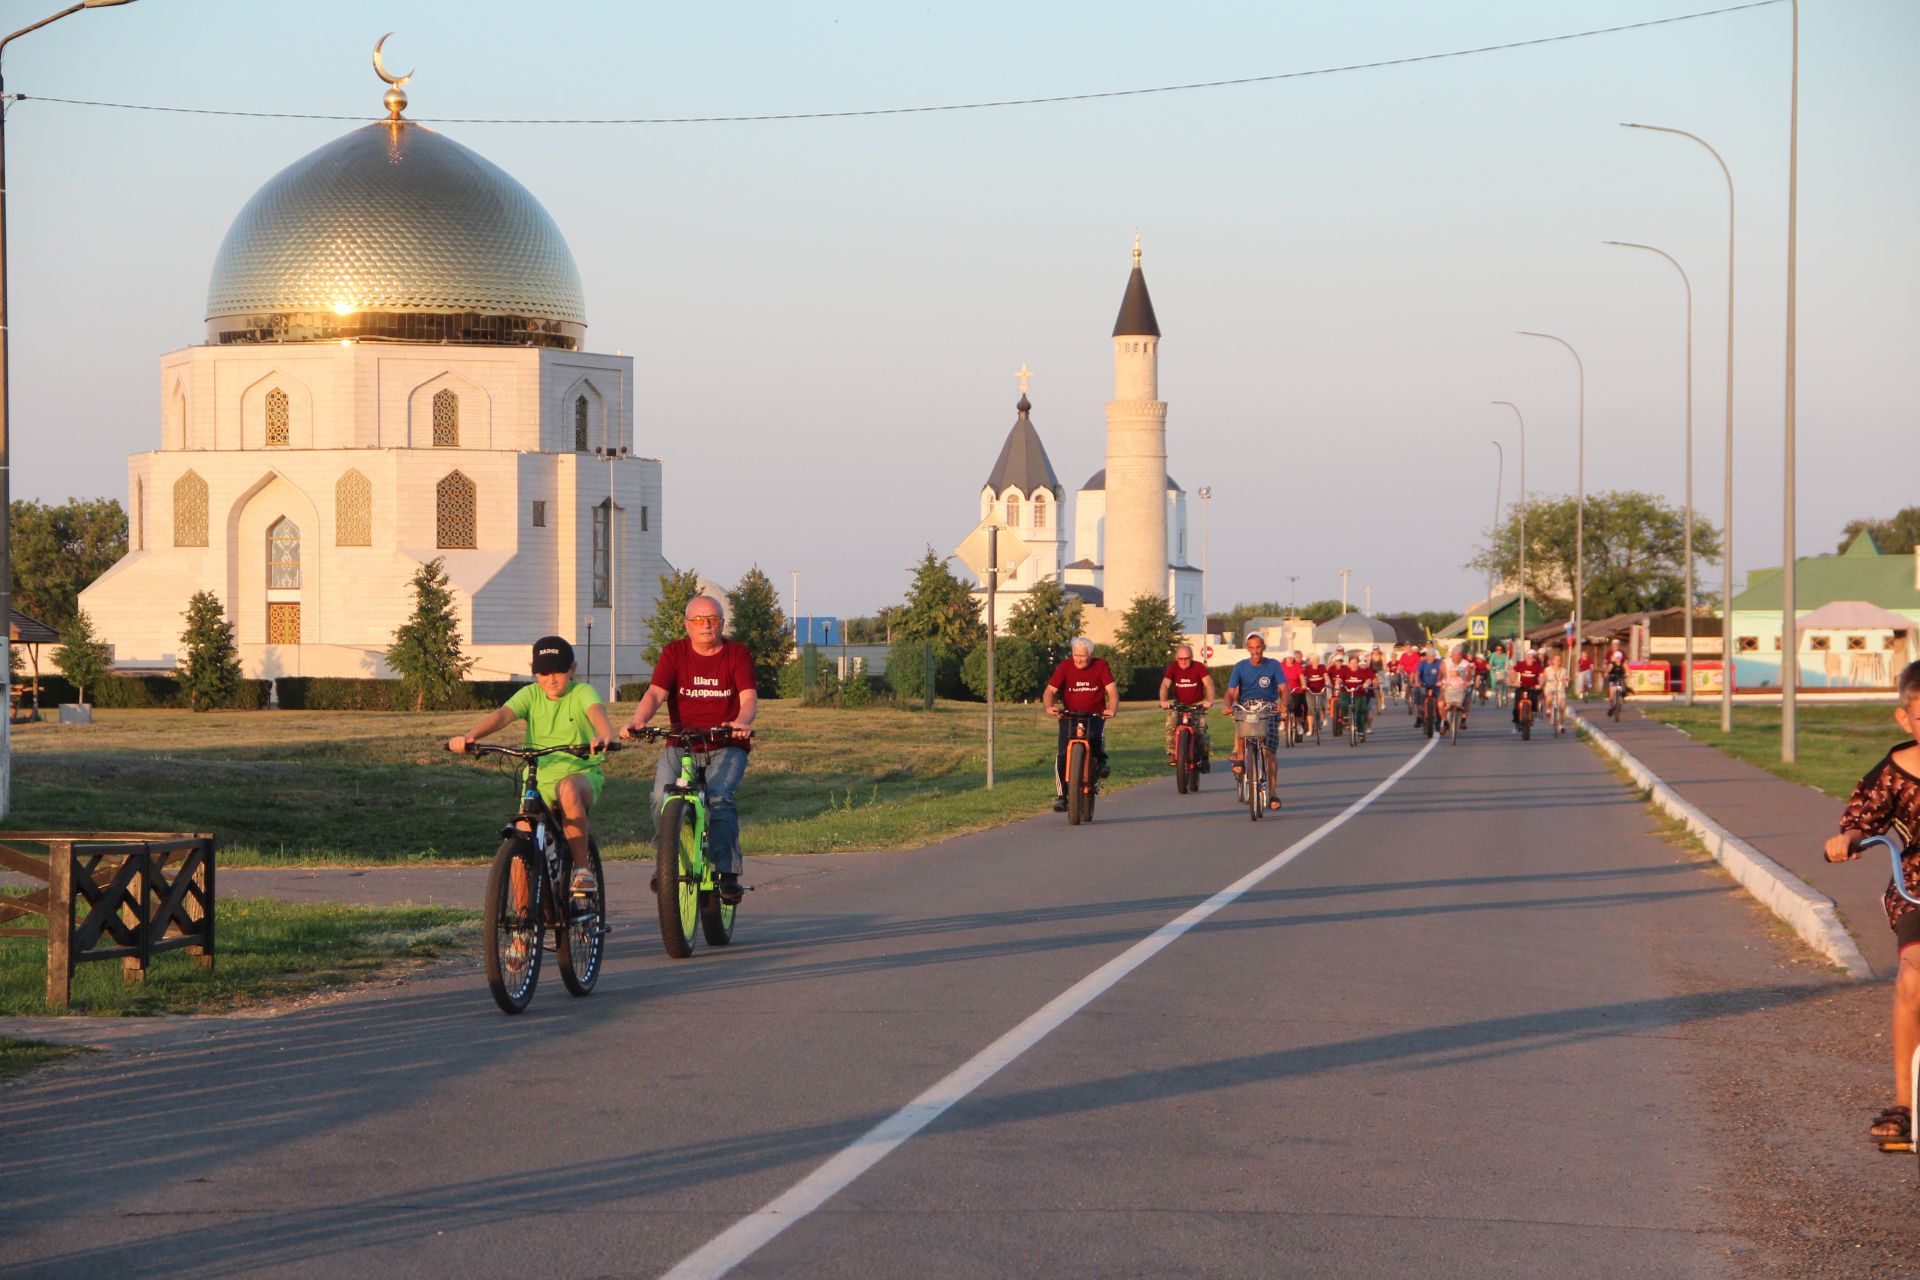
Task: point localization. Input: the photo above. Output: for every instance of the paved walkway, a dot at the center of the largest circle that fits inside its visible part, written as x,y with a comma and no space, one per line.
1787,821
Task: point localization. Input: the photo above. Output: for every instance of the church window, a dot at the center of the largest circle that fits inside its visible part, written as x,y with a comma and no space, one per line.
643,519
190,511
446,419
539,514
353,511
580,423
279,419
1013,512
139,521
1040,510
602,555
283,554
454,512
1183,546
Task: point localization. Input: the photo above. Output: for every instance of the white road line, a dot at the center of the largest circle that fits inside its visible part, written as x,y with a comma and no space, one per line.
746,1237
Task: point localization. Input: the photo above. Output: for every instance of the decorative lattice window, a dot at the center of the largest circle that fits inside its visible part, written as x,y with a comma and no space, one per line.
279,419
1013,513
353,511
602,554
283,554
454,512
580,423
446,419
283,622
1040,510
539,514
190,511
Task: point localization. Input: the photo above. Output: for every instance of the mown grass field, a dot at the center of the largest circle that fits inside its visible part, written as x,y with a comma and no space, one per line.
375,788
1837,744
264,951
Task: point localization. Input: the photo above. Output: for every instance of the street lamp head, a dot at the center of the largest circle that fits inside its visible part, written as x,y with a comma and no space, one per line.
102,4
1206,491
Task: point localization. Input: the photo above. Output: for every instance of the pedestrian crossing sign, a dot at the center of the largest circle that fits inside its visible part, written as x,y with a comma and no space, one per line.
1477,627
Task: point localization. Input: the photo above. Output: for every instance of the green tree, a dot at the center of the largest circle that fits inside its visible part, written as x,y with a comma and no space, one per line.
426,650
856,691
210,677
867,630
755,620
1897,534
1634,553
907,671
1048,617
57,552
939,607
669,620
1149,630
82,657
1017,675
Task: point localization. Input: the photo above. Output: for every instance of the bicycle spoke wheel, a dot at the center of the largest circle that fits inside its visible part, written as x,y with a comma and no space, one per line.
584,938
1256,767
1076,780
676,876
1182,760
513,935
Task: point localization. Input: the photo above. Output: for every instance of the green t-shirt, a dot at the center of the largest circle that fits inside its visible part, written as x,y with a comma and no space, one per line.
1498,661
557,722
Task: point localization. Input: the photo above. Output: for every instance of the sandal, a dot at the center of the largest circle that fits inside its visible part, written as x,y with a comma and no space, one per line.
1900,1121
584,883
1273,805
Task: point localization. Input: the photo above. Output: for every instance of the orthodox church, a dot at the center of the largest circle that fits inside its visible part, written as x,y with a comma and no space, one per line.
1129,518
394,370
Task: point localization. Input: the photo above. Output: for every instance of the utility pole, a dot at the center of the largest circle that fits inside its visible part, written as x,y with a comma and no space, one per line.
993,582
1789,616
1293,593
1344,575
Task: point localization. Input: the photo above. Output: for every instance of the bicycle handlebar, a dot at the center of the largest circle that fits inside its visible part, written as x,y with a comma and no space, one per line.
1899,880
705,739
580,750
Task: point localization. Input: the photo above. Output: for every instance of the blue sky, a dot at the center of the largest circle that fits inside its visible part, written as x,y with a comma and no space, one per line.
826,314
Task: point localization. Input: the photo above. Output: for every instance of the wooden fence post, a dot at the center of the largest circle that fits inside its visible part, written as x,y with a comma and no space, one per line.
59,923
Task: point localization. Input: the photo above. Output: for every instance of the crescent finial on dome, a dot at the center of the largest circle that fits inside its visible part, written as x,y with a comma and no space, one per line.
396,99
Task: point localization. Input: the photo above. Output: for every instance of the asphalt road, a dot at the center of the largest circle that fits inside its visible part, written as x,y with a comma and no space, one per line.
1452,1037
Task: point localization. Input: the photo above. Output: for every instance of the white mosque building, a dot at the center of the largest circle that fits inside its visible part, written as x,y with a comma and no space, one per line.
394,370
1129,518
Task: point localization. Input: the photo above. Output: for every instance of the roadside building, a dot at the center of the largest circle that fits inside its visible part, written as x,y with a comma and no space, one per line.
1503,619
1861,645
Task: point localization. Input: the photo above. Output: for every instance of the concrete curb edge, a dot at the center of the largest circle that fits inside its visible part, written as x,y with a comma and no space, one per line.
1810,912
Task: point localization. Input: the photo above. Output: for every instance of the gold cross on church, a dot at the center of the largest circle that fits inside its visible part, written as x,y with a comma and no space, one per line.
1024,374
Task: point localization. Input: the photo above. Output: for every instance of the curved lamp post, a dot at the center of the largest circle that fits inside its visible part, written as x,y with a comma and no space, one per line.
1580,510
1686,663
1500,480
1521,418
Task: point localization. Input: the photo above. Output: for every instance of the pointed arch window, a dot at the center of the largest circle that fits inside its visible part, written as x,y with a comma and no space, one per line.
580,423
353,511
1013,512
279,419
283,554
1040,509
446,419
454,512
190,511
603,553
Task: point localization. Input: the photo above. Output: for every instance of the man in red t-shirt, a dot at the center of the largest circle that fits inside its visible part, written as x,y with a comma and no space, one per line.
1082,685
706,682
1356,693
1527,673
1586,673
1185,683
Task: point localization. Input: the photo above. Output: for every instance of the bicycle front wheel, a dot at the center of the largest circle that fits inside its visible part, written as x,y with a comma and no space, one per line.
583,938
1076,780
716,919
1256,766
513,934
676,875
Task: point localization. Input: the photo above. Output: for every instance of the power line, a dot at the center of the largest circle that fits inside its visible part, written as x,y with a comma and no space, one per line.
940,107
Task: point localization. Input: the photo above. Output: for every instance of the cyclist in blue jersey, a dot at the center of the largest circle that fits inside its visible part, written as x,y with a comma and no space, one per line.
1426,677
1258,678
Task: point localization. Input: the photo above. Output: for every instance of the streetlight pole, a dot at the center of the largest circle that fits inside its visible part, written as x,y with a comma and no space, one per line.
1789,618
1344,575
6,445
1726,530
1580,510
1206,506
1686,661
1521,635
795,575
1499,482
610,454
1293,591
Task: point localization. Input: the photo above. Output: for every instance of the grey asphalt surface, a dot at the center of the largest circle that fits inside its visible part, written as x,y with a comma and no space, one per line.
1454,1038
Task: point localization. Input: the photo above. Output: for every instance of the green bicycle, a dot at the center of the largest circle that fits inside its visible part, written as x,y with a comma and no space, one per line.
685,882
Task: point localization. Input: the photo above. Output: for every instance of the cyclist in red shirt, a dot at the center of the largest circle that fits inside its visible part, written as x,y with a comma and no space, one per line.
1186,683
1527,674
1083,685
1314,673
1356,693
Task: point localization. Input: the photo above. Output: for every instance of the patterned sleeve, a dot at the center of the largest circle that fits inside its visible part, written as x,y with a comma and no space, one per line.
1871,807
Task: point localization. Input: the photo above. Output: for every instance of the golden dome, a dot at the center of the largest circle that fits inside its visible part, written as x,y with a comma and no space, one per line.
395,232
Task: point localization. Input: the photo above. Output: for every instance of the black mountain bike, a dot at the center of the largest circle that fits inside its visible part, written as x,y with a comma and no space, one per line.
527,894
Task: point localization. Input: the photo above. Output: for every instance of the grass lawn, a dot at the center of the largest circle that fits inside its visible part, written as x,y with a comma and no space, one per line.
370,788
266,950
17,1057
1837,744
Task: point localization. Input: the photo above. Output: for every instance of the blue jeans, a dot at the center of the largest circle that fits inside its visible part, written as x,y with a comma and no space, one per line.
725,768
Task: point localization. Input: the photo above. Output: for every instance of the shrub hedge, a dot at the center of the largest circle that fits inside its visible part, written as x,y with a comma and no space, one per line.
346,693
144,691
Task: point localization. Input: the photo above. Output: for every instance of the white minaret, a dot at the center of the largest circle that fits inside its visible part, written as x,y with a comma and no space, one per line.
1136,524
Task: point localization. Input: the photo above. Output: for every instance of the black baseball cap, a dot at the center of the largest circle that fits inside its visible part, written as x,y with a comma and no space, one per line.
550,654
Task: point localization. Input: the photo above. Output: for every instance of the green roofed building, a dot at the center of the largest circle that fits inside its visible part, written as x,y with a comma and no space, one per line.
1503,618
1867,650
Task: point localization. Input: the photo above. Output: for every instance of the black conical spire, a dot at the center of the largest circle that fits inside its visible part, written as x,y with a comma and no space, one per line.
1023,462
1136,308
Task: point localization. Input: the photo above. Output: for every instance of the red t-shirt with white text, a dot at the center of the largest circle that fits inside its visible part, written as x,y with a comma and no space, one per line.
703,690
1315,674
1526,673
1188,684
1083,690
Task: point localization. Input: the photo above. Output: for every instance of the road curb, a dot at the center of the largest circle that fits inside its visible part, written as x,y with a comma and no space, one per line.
1810,912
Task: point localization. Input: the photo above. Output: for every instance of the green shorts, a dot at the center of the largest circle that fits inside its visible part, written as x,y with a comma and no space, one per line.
552,773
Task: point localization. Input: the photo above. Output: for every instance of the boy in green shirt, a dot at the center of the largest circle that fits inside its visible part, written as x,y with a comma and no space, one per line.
558,713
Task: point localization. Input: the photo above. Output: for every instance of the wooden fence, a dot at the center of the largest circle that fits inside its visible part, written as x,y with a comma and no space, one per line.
110,895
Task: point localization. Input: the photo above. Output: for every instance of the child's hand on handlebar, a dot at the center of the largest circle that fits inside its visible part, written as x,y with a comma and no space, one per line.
1840,848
